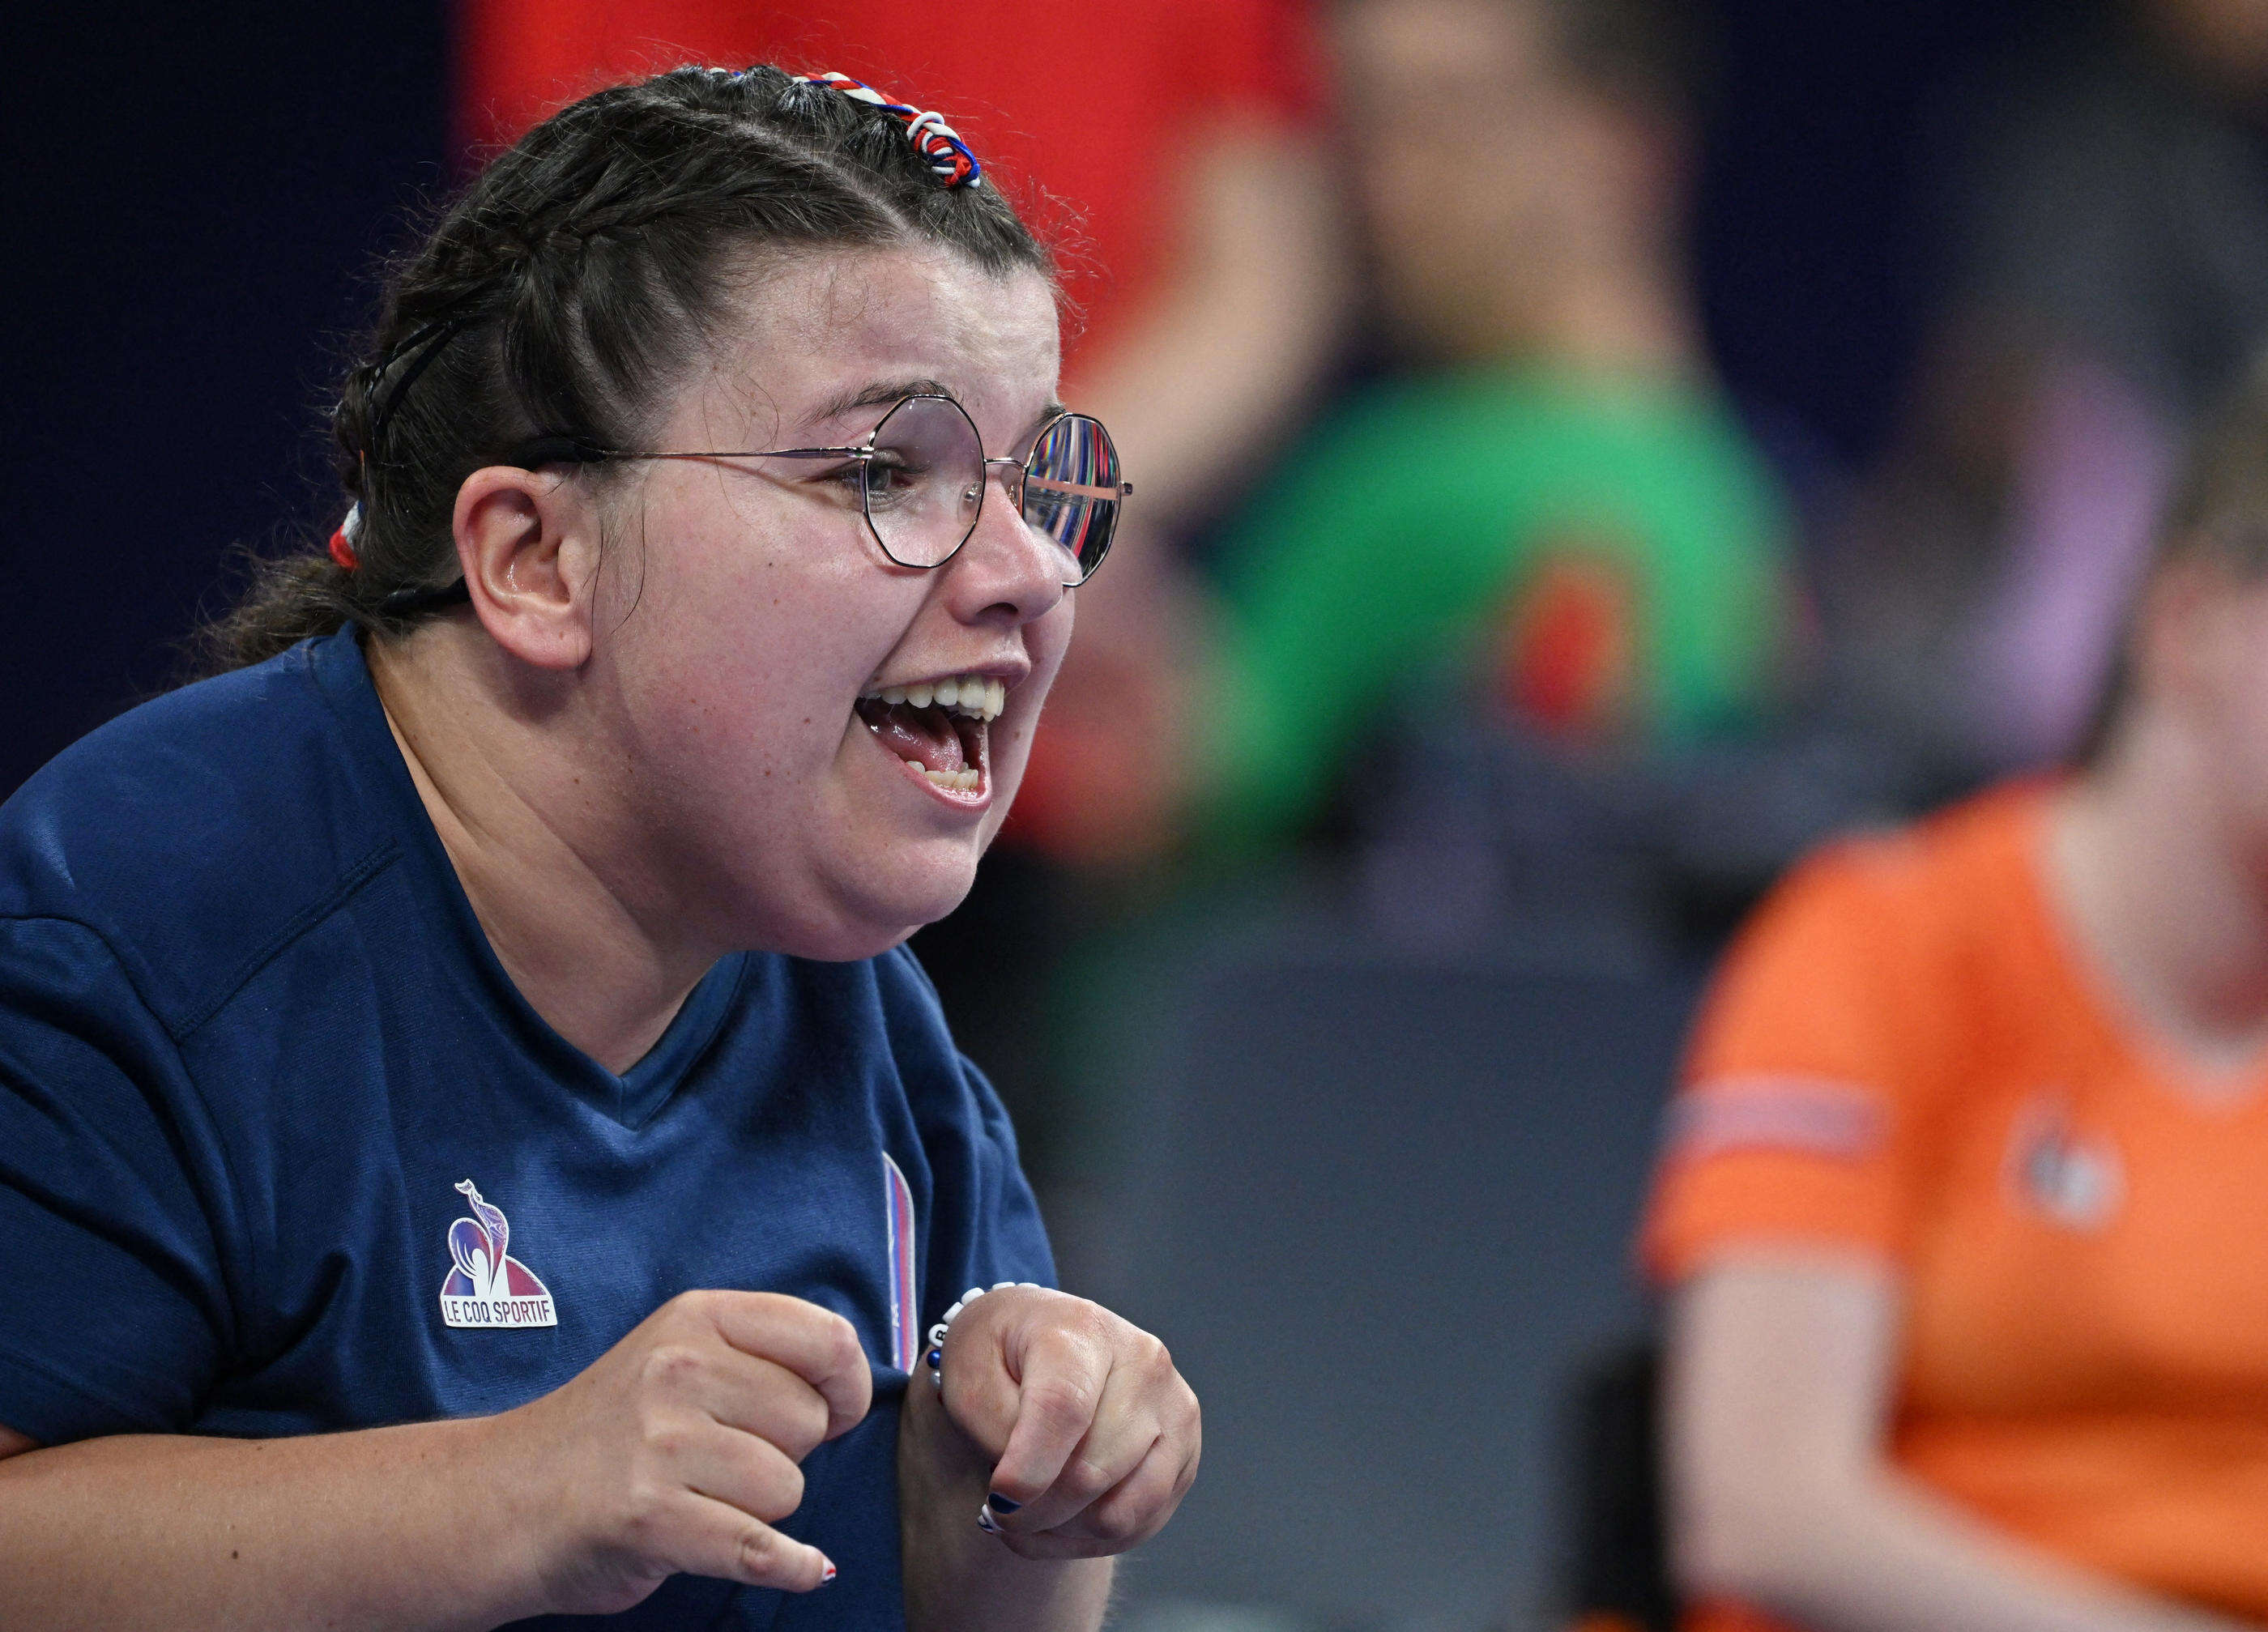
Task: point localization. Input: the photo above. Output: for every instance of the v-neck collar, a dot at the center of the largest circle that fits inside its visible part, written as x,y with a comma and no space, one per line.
2090,989
631,1099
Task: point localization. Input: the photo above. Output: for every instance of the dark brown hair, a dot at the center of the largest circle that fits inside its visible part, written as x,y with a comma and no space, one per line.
575,279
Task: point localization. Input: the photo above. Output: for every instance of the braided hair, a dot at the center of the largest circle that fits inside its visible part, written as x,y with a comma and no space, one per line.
577,278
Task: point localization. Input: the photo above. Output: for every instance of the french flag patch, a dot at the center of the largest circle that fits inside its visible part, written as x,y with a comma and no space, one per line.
905,1304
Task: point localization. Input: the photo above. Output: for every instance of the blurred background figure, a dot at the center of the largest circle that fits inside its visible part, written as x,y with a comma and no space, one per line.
1960,1212
2104,239
1546,522
1551,488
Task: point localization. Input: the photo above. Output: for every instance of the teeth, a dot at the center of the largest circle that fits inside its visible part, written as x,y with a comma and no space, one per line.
962,781
976,697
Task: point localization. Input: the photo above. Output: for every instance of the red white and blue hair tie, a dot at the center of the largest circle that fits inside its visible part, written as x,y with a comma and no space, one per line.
345,537
948,156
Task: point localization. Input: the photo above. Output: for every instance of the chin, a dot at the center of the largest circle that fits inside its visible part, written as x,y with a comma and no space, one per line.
865,921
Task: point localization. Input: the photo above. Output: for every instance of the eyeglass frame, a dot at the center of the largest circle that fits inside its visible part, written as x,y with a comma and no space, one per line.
566,450
561,450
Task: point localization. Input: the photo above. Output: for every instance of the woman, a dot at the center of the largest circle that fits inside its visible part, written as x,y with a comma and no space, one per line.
469,1147
1962,1208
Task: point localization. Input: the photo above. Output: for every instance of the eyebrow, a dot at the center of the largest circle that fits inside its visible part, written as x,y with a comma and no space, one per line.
885,393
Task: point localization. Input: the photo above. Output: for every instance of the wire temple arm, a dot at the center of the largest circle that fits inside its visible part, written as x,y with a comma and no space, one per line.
560,450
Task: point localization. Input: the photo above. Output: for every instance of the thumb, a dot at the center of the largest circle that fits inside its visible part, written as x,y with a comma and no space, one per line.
981,1388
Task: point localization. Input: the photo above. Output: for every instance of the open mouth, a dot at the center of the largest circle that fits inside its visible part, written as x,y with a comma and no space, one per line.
941,728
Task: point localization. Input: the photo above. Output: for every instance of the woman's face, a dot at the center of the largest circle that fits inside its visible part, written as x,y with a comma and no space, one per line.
748,611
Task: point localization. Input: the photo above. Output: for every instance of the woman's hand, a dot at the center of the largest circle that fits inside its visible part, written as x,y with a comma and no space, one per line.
678,1450
1093,1435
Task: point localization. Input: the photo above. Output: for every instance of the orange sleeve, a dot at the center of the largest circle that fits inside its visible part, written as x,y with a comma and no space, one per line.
1805,1112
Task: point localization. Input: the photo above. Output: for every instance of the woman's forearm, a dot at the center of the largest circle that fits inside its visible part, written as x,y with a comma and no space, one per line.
1781,1367
958,1578
1879,1554
388,1528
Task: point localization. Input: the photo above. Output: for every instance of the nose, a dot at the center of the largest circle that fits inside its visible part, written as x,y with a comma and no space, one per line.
1008,572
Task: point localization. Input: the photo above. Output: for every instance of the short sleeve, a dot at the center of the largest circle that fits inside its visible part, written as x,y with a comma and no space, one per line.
113,1312
983,1223
1806,1111
985,1227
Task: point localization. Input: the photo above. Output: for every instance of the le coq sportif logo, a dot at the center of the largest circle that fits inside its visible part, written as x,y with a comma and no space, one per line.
487,1287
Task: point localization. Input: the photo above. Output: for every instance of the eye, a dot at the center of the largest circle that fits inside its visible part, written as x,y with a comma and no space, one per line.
849,478
891,478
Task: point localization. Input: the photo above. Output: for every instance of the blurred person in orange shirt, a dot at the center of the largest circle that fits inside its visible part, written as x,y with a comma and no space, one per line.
1961,1206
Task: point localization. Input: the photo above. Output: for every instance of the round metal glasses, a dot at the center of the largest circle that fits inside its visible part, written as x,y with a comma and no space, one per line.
920,480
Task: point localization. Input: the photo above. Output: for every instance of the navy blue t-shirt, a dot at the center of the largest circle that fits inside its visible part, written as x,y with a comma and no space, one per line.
282,1149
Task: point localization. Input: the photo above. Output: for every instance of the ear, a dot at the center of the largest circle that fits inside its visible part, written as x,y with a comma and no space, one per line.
528,543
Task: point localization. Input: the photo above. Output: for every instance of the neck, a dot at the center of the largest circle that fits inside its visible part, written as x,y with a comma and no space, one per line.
1622,315
2155,875
537,836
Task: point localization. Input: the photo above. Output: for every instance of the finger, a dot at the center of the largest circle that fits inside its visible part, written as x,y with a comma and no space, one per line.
1144,1403
1138,1506
816,1344
738,1390
1123,1517
1063,1376
720,1541
981,1396
741,1470
1123,1433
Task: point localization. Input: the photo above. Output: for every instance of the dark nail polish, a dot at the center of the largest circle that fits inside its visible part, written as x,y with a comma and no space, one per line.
985,1522
999,1504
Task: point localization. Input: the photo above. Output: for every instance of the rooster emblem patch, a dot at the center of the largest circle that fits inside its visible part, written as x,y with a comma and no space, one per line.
487,1286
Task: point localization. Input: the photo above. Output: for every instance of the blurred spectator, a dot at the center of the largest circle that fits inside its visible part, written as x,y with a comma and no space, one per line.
1552,502
1961,1202
2109,275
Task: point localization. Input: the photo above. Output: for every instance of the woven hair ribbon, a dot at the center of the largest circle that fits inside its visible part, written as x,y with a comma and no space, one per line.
948,156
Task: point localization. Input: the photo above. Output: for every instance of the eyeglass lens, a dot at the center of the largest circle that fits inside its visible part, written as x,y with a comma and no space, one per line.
925,486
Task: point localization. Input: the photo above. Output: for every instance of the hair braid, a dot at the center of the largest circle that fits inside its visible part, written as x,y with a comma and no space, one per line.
575,278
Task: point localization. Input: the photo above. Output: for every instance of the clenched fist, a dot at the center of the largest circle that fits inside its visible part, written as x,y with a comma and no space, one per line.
679,1449
1092,1435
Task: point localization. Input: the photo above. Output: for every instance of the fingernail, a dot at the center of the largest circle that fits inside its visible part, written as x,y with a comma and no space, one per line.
829,1573
1002,1505
986,1522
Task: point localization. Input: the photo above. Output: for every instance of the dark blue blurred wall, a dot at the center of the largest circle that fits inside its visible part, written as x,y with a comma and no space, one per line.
194,197
1835,129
